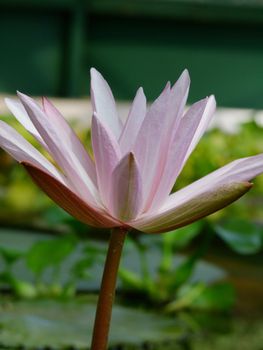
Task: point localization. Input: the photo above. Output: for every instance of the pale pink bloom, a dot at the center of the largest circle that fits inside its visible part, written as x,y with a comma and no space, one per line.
135,164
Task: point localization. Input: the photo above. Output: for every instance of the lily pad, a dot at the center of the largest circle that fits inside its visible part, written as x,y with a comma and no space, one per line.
242,236
63,324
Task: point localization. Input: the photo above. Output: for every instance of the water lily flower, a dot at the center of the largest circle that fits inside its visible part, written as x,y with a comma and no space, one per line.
136,163
128,181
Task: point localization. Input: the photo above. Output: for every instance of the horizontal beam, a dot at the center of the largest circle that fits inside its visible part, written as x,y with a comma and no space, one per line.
246,11
197,10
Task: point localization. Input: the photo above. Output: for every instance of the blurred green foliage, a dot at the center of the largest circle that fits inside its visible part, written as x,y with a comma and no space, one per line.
44,260
173,285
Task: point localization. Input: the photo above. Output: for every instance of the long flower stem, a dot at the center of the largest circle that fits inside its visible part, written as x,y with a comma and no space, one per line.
107,290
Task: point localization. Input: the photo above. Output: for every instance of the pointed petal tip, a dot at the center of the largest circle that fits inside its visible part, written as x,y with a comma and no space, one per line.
103,102
44,98
193,209
211,104
185,74
132,155
96,120
141,92
100,123
43,102
212,99
23,97
19,93
93,70
132,159
126,189
94,73
166,90
248,184
167,86
183,80
48,106
208,101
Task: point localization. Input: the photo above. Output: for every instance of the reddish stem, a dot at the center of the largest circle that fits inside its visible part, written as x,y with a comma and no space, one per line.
107,290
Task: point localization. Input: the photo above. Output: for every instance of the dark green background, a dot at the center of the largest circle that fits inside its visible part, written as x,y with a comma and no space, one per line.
47,47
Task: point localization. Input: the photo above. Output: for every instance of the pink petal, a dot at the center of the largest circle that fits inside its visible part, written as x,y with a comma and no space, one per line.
211,189
194,208
20,149
150,139
106,153
133,122
126,189
204,122
188,133
69,135
159,126
179,94
62,145
240,170
103,103
69,201
21,115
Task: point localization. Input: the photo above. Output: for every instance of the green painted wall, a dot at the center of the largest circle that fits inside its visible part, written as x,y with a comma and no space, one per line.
47,47
31,54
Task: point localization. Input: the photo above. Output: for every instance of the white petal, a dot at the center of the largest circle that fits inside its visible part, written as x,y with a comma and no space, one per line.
179,94
150,139
193,208
203,125
179,210
133,122
158,128
106,153
20,149
182,140
69,136
62,147
21,115
103,103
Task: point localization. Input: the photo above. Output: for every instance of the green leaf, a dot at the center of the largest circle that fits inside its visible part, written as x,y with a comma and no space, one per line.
182,236
185,297
48,253
10,256
182,273
218,297
130,280
23,289
240,235
67,324
81,268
